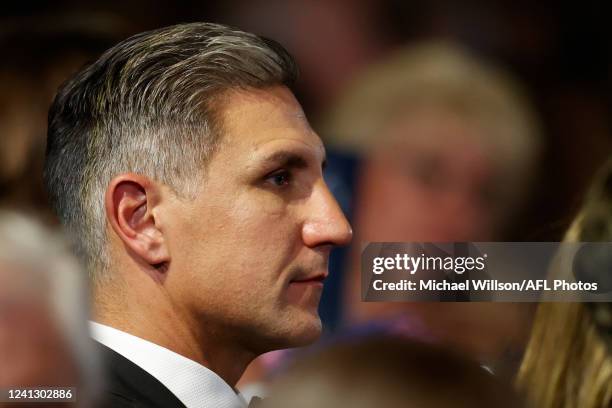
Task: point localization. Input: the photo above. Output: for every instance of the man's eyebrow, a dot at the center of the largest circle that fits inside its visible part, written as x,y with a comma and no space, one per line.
290,159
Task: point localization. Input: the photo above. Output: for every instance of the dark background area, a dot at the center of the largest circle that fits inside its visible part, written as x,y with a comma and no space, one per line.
561,52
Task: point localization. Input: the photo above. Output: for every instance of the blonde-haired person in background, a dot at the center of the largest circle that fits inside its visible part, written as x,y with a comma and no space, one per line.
44,338
435,98
449,145
568,361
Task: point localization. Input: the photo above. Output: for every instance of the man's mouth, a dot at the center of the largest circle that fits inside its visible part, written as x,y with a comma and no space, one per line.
305,288
315,279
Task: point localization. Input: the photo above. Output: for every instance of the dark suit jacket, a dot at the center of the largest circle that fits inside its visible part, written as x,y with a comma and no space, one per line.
128,385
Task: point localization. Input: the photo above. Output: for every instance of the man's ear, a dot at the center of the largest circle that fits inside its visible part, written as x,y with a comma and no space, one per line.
130,202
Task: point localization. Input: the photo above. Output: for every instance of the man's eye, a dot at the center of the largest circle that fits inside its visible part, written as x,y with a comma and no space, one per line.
279,178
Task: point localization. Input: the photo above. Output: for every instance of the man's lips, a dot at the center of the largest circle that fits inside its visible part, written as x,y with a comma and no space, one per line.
310,279
305,288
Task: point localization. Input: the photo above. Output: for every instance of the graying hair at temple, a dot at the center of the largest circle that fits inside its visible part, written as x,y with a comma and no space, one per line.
148,106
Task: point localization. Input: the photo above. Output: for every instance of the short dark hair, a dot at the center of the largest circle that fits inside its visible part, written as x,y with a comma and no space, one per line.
147,106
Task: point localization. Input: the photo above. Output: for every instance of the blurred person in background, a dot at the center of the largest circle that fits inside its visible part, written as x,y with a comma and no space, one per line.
388,373
39,53
448,145
568,360
44,339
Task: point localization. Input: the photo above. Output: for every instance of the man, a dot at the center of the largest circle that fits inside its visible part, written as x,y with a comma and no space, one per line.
186,171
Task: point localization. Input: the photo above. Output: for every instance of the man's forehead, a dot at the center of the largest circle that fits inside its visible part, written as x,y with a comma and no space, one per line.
266,119
264,105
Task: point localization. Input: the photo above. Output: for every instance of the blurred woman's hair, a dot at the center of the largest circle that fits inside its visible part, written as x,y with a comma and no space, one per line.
388,373
568,360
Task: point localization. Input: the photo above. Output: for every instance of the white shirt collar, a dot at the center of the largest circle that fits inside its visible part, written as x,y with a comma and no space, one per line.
193,384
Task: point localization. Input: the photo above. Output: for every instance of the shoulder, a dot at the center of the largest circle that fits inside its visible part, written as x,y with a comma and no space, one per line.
128,385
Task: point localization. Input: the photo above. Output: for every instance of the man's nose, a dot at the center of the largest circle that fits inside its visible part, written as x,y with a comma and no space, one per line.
325,223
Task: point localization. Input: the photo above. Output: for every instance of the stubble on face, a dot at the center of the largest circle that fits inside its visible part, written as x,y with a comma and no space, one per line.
241,263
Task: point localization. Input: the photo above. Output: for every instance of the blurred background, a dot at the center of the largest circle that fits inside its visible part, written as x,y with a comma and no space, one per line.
445,121
560,53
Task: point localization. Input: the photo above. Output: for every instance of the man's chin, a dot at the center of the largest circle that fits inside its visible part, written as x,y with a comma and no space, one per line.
298,330
308,333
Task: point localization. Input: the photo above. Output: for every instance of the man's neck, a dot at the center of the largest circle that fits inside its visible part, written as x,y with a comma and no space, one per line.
158,322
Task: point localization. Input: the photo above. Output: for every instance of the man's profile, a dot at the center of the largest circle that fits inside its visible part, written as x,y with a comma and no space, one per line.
185,170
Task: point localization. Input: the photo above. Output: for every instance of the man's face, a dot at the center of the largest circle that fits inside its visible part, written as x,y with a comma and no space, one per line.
249,254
